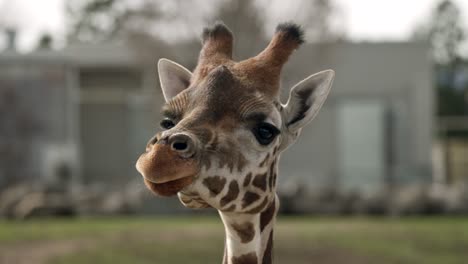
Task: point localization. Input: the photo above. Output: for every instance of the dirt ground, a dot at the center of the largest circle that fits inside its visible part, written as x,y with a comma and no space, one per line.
40,252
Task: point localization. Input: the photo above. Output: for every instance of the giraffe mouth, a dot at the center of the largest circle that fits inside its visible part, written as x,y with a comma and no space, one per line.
164,172
169,188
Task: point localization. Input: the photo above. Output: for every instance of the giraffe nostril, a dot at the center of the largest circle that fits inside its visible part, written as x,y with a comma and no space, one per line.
179,146
152,141
183,145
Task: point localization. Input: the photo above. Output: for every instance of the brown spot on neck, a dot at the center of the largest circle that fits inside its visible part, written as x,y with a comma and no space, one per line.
232,193
245,231
249,198
250,258
268,254
257,209
260,181
267,216
215,184
247,179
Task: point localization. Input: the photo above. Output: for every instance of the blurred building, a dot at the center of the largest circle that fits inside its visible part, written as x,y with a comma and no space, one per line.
98,106
376,127
37,117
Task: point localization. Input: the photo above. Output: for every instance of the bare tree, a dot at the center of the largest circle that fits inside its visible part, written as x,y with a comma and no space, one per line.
95,20
445,32
98,20
167,26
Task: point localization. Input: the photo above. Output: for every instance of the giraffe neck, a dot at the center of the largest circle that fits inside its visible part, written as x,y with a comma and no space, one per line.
249,237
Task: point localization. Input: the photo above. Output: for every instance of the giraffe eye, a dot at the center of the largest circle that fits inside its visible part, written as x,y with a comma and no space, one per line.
167,123
265,133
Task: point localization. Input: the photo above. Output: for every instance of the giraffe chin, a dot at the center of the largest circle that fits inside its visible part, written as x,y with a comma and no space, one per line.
169,188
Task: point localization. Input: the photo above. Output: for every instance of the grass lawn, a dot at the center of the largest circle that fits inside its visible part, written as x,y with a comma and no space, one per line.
195,239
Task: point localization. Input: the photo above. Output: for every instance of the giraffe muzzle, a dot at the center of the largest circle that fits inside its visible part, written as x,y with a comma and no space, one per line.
169,164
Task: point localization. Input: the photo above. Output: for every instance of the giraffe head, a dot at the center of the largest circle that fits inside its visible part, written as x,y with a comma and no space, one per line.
224,126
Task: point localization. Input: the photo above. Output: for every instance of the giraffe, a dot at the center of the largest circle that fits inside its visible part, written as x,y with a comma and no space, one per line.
223,131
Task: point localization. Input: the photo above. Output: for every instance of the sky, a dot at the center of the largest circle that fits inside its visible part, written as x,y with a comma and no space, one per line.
389,19
363,20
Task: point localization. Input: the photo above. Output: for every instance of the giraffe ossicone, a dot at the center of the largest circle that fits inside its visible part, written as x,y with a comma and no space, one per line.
224,129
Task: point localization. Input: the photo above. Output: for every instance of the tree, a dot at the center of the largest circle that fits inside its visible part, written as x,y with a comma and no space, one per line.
94,20
100,20
445,32
253,22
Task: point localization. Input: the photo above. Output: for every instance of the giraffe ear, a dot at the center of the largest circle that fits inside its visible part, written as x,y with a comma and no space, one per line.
306,98
174,78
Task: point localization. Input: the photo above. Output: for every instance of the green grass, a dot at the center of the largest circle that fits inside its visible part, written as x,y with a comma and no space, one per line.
198,239
46,229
